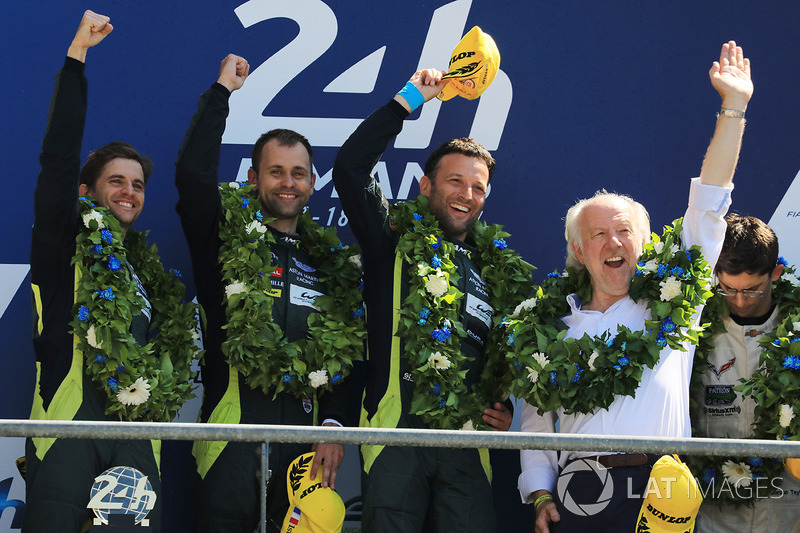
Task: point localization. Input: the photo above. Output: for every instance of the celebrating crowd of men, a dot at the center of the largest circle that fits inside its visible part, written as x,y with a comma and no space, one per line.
413,331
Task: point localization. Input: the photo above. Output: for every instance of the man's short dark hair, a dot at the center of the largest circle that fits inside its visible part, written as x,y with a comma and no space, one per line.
285,138
750,247
465,146
98,159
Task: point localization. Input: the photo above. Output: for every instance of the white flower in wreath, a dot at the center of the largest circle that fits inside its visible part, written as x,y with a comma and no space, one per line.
670,288
135,394
255,225
651,266
791,278
233,184
468,426
541,359
530,303
318,378
195,334
236,287
91,338
356,260
93,215
439,361
437,285
796,326
738,474
592,359
423,269
659,247
786,415
533,375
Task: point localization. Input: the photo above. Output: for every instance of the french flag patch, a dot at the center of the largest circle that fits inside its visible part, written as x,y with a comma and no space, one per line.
295,518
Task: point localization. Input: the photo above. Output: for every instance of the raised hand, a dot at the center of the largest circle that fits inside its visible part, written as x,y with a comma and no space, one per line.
233,71
428,82
92,29
730,76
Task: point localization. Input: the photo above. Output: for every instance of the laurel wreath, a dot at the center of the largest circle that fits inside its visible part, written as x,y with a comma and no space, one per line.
776,383
429,318
254,344
106,301
581,375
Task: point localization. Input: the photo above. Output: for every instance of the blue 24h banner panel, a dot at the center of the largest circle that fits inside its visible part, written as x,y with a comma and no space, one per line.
589,95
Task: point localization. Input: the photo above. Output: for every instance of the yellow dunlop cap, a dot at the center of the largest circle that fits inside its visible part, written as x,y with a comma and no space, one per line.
793,467
473,66
312,508
671,499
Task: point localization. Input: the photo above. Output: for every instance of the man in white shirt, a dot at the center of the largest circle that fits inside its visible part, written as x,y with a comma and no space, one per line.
605,235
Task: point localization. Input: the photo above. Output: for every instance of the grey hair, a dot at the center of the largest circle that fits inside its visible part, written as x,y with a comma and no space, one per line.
572,231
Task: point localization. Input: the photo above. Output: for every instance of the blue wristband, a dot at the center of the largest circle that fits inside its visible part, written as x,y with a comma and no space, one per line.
411,94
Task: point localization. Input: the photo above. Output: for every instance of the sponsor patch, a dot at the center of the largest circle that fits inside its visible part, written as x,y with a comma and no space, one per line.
275,293
307,405
303,296
720,395
724,368
278,272
480,310
295,518
304,267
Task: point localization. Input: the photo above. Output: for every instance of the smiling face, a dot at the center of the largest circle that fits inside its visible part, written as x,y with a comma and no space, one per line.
609,249
457,194
285,182
120,188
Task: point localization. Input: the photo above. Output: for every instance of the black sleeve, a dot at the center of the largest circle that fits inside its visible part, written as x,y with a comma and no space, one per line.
343,403
55,201
361,196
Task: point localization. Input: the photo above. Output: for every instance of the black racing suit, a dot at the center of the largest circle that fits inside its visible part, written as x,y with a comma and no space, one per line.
60,472
230,472
401,486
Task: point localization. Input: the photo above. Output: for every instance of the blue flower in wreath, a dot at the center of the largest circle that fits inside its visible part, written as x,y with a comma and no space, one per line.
661,341
176,273
678,272
90,203
794,340
578,373
776,342
623,361
437,244
113,384
553,378
417,216
688,255
624,346
83,313
442,403
436,389
422,321
783,261
106,294
259,216
553,274
668,326
113,263
107,236
436,262
510,339
100,358
337,377
361,285
287,377
617,367
425,312
709,475
500,244
120,368
441,335
97,248
358,312
755,461
792,362
245,203
610,342
662,271
516,364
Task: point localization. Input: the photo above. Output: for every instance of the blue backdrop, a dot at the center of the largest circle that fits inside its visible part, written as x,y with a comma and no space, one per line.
592,94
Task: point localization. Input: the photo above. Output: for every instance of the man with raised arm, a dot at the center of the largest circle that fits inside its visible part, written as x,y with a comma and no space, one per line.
262,270
95,305
605,237
431,297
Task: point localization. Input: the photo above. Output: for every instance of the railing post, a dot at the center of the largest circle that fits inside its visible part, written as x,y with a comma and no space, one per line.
266,474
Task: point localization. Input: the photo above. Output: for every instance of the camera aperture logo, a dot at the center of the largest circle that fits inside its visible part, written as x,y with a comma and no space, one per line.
585,466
